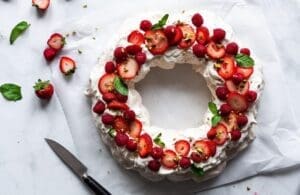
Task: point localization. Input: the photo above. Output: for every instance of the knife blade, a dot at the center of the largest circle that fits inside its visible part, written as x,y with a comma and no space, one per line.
77,167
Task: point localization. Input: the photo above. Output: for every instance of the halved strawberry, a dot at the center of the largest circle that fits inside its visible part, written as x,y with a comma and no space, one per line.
182,147
212,147
156,42
202,148
136,38
56,41
215,51
145,145
241,88
120,124
106,83
174,34
189,36
128,69
67,65
237,102
41,4
221,136
230,122
115,105
227,68
169,159
135,128
202,35
246,72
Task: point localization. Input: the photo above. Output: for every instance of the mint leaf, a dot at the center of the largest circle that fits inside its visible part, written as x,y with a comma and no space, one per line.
112,132
18,30
215,120
244,61
213,108
120,86
197,171
11,92
158,141
161,23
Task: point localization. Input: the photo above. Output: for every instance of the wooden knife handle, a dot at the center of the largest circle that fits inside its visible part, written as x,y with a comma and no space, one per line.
95,186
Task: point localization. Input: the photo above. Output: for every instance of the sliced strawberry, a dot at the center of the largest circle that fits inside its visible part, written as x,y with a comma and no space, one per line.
156,42
120,124
67,65
246,72
237,102
202,148
182,147
221,136
115,105
41,4
106,83
227,68
56,41
128,69
189,36
174,34
169,159
241,88
230,122
212,147
145,145
136,38
202,35
135,128
215,51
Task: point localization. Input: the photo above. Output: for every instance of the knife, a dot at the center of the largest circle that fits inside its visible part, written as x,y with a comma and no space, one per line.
77,167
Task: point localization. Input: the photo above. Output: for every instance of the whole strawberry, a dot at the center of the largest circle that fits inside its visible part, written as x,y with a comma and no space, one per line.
43,89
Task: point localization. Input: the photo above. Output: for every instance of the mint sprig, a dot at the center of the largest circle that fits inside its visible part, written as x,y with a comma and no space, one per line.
216,116
244,61
158,141
161,23
11,92
18,30
120,86
197,171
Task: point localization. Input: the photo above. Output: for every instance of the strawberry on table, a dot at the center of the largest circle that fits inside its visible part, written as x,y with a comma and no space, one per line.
41,4
43,89
67,65
128,69
237,102
136,38
169,159
56,41
215,51
182,147
145,145
50,53
156,41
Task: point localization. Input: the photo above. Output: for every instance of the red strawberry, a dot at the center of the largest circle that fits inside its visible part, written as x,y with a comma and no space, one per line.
145,25
120,124
202,35
145,145
222,92
221,136
115,105
133,49
43,89
245,51
199,50
215,51
108,97
120,54
182,147
212,147
128,69
121,98
135,128
157,152
131,145
169,159
99,107
174,34
197,157
184,162
136,38
129,115
197,20
230,122
251,96
121,139
154,165
237,102
218,35
237,78
232,48
246,72
106,83
242,120
41,4
156,42
56,41
189,36
67,65
227,68
211,134
225,110
50,53
107,119
140,58
242,88
110,67
235,135
202,148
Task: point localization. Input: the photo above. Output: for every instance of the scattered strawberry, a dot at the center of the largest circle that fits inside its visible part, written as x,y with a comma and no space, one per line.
241,88
156,42
120,54
107,119
133,49
212,147
197,157
120,124
202,149
157,152
136,38
235,135
185,162
237,102
131,145
99,107
221,136
245,51
174,34
140,58
108,97
110,67
50,53
169,159
116,105
106,83
199,50
230,122
56,41
242,120
202,35
67,65
43,89
227,68
121,139
41,4
145,145
246,72
128,69
215,51
237,78
189,36
225,110
135,128
129,115
182,147
251,96
145,25
154,165
232,48
218,35
197,20
211,134
121,98
222,92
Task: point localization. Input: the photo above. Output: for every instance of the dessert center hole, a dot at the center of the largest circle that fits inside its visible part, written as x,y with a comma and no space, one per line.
175,98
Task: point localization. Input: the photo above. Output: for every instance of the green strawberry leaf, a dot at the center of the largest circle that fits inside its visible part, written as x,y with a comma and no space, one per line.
161,23
215,120
158,141
120,86
11,92
197,171
244,61
18,30
213,108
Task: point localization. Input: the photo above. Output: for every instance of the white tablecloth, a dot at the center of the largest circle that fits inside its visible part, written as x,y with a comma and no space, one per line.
28,166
